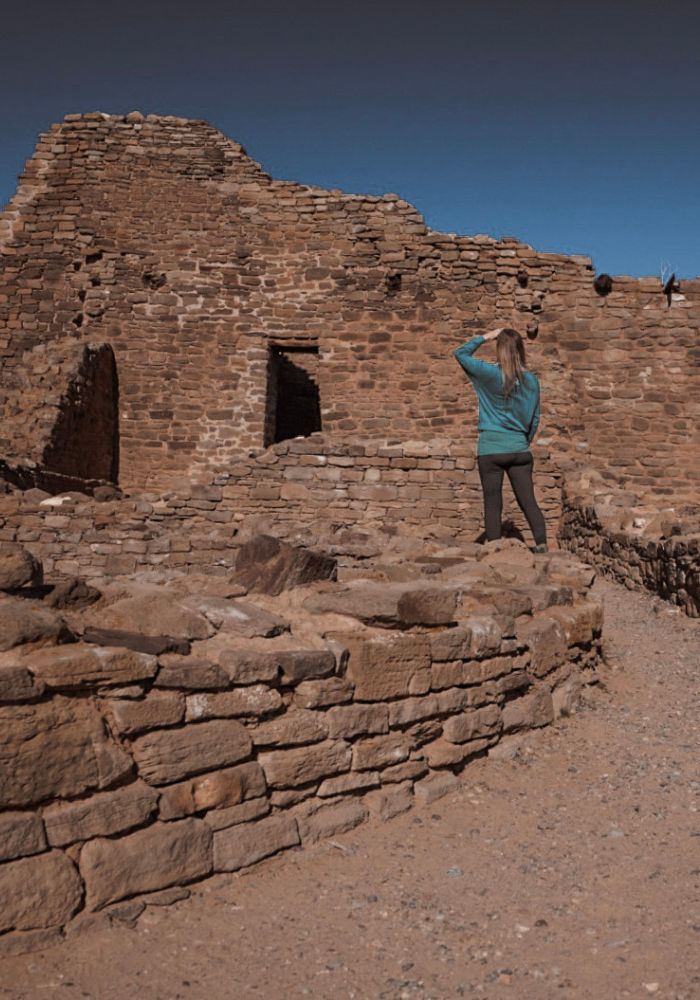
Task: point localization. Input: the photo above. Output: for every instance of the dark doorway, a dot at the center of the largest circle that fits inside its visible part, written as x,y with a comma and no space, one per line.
293,400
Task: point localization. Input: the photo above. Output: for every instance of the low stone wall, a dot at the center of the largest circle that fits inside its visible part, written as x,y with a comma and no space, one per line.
631,541
303,485
124,773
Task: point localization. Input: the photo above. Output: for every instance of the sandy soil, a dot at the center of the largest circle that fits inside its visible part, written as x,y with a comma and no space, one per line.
568,867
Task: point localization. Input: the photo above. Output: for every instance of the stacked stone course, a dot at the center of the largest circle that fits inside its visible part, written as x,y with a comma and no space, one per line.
125,772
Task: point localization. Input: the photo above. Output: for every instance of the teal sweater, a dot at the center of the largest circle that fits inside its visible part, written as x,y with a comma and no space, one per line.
506,423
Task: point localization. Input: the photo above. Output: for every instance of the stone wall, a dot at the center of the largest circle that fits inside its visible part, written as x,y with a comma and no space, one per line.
305,489
633,542
162,238
210,732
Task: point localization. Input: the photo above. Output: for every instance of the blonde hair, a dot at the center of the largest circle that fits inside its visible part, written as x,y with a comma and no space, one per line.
510,351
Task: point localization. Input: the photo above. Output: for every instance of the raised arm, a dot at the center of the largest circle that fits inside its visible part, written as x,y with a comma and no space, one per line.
476,369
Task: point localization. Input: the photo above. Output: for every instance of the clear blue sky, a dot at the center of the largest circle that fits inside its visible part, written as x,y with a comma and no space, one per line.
572,126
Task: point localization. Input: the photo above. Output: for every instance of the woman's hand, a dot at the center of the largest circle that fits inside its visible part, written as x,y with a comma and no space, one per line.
492,334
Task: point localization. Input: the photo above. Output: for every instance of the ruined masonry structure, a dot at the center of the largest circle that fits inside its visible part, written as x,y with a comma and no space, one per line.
242,603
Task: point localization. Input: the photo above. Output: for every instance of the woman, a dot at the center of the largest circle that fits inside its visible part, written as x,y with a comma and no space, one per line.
509,412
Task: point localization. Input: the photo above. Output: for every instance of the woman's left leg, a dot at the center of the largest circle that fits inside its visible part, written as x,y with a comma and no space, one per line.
520,475
491,474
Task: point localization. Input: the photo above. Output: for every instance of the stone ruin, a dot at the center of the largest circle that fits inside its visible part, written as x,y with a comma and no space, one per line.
243,603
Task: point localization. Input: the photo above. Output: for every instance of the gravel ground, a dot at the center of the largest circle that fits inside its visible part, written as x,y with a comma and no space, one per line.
566,867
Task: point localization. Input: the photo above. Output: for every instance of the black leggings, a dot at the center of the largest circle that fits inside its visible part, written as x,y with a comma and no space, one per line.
518,465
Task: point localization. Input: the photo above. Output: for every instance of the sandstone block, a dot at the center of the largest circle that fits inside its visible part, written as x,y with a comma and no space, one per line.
41,891
529,710
214,790
383,667
330,820
21,834
289,768
249,666
190,674
169,755
268,566
436,786
239,846
295,727
441,753
408,710
409,770
237,617
99,816
254,700
428,606
157,709
344,784
16,682
380,751
451,644
18,567
305,664
156,614
546,640
55,749
152,644
346,721
72,593
323,693
78,665
159,856
580,622
23,621
472,725
385,803
220,819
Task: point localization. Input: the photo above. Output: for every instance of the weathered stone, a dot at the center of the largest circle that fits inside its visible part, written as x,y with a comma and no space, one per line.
99,816
153,644
168,755
21,834
451,644
323,693
435,786
158,708
55,749
220,819
24,942
249,666
159,856
409,770
16,682
546,640
346,721
254,700
237,617
154,614
330,820
428,606
240,846
214,790
294,728
408,710
580,622
383,667
190,674
472,725
289,768
440,753
72,593
23,621
385,803
343,784
79,665
41,891
18,567
268,566
529,710
380,751
299,665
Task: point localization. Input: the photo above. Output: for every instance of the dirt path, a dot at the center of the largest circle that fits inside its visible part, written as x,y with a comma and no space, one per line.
568,868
